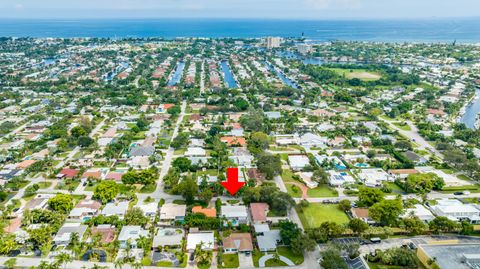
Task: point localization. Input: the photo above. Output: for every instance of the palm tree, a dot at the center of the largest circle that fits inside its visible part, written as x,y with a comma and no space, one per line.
64,258
137,265
119,263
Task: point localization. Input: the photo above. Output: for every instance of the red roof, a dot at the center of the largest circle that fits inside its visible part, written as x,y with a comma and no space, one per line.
167,106
259,211
232,140
69,173
117,176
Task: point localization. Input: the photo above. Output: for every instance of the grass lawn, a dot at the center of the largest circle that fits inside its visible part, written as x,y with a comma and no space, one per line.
362,74
287,176
148,188
179,151
394,187
44,184
287,252
470,188
164,264
229,261
316,213
256,255
71,185
204,266
322,191
464,177
402,126
293,190
274,263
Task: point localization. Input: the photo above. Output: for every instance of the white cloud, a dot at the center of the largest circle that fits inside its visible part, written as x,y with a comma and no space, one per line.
18,6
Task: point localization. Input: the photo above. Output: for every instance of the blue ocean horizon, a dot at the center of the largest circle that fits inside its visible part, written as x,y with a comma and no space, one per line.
465,30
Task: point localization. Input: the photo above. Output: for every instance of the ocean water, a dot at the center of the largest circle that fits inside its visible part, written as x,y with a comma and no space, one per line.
426,30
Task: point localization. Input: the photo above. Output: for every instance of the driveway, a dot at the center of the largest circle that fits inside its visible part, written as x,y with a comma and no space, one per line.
263,259
245,261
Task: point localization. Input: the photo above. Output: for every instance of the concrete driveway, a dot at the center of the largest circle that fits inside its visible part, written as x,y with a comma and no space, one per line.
245,261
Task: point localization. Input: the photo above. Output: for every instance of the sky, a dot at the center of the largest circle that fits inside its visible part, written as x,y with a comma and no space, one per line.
267,9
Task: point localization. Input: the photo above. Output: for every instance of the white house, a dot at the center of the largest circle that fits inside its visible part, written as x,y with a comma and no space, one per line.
419,211
373,177
298,162
205,239
456,210
130,234
339,178
235,214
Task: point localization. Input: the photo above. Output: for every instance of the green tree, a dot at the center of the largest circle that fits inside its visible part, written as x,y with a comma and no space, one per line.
258,142
188,188
106,191
270,165
369,196
332,259
303,243
357,226
182,163
386,211
174,110
135,216
253,120
62,203
63,259
414,225
423,183
289,231
345,205
442,224
467,228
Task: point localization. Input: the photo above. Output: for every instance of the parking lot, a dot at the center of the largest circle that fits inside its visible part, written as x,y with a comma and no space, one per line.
355,263
347,240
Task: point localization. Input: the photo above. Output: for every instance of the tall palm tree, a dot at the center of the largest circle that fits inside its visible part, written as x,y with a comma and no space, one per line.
119,263
64,258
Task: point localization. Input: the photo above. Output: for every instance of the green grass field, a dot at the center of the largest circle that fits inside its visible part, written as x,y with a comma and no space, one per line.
293,190
229,261
316,213
402,126
322,191
361,74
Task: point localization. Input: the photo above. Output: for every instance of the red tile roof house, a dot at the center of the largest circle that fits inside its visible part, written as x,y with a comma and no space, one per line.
106,231
117,176
234,141
259,212
96,174
238,242
85,208
68,173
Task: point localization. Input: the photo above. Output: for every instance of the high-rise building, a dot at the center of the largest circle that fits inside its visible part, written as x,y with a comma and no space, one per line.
273,42
304,49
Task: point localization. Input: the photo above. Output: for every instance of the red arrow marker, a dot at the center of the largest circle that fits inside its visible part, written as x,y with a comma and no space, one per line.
232,184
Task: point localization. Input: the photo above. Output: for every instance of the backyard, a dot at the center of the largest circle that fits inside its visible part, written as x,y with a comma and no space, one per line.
316,213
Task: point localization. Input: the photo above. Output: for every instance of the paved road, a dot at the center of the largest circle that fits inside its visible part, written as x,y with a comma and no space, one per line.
311,258
159,192
77,149
17,130
202,79
21,191
415,137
